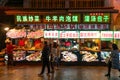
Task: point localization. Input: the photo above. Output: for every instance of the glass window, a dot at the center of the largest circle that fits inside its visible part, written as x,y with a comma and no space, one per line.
69,44
90,44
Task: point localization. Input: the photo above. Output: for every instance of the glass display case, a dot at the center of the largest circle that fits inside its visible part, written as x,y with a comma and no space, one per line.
27,55
90,56
70,56
19,55
106,45
71,50
33,56
90,44
69,44
104,55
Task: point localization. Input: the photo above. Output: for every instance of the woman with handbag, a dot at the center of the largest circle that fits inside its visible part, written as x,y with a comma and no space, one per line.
109,65
114,60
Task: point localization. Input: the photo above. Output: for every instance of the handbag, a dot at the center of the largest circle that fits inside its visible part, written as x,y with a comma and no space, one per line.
56,59
107,60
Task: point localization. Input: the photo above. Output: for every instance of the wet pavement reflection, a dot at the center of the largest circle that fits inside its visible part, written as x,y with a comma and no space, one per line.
30,72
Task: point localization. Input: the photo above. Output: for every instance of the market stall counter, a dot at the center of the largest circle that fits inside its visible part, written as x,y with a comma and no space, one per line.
27,55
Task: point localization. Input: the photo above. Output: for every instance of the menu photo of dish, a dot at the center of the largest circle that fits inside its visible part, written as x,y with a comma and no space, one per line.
89,56
33,55
19,55
68,56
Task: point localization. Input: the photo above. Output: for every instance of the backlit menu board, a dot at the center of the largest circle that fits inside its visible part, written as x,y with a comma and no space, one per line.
69,34
90,56
69,56
61,26
89,34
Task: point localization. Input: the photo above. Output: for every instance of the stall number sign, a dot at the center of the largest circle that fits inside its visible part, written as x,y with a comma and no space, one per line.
62,18
27,18
96,18
106,34
117,34
50,34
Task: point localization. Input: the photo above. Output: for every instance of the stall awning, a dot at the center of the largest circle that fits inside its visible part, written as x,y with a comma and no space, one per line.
95,11
13,11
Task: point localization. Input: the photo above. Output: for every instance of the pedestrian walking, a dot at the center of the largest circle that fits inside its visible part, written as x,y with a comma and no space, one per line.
54,53
51,59
45,58
57,57
113,60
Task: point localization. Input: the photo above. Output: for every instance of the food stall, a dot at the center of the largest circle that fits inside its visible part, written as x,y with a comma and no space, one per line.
81,37
75,46
28,44
82,46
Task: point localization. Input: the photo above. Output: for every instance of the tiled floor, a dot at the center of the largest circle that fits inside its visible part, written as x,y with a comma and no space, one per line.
30,72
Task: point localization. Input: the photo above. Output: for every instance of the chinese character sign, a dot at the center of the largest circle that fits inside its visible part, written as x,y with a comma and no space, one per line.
82,34
106,34
96,18
69,34
89,34
62,18
117,34
27,18
50,34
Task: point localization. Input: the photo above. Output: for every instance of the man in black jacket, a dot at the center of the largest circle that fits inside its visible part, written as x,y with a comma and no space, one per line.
45,58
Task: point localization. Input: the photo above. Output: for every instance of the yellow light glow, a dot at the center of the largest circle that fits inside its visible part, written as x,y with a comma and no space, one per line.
6,29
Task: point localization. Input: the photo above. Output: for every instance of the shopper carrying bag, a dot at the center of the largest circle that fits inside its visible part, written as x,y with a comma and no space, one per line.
113,62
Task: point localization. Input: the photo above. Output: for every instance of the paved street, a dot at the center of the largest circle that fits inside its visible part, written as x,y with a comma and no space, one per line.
30,72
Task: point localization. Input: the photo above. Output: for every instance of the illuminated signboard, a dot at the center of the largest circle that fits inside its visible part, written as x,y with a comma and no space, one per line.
61,26
96,18
75,18
50,34
37,26
69,26
82,34
13,33
106,34
27,18
93,26
89,34
117,34
69,34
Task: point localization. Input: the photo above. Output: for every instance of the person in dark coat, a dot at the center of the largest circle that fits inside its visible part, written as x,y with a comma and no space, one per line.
45,58
51,59
114,60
